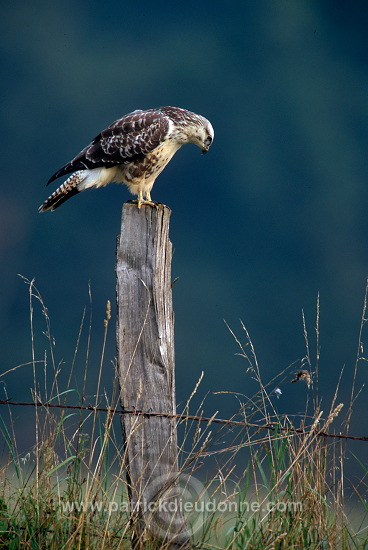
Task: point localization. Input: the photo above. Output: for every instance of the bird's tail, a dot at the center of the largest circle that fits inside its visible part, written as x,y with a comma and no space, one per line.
64,192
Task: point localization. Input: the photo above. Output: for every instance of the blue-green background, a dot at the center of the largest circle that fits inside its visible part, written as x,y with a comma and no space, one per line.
274,215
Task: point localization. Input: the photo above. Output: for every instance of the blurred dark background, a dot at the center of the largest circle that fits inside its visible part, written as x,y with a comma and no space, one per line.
274,215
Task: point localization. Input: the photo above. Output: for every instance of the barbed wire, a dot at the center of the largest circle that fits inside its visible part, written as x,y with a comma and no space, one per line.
196,418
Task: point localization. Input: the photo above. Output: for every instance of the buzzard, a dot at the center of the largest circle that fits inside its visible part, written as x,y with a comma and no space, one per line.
132,150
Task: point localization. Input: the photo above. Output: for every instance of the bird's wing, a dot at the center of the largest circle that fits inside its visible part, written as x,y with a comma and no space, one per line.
125,140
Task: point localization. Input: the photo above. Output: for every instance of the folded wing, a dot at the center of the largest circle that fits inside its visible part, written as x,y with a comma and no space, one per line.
125,140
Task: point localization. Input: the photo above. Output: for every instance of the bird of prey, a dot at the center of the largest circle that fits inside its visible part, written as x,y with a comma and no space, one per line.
132,150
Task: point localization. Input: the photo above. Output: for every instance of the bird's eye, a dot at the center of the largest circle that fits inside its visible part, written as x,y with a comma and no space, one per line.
208,141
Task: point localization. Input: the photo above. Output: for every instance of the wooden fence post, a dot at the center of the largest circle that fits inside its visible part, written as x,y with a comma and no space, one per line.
145,347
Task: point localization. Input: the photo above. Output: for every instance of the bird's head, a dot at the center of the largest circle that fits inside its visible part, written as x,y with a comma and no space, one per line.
197,130
189,127
204,135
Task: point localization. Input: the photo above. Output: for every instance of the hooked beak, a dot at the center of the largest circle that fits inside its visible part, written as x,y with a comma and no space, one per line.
205,150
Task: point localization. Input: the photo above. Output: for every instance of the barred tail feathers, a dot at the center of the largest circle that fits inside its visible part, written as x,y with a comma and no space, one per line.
64,192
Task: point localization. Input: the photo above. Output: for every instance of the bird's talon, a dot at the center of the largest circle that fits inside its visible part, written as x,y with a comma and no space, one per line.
154,204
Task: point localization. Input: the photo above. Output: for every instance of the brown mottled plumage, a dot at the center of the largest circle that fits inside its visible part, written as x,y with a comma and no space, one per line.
132,150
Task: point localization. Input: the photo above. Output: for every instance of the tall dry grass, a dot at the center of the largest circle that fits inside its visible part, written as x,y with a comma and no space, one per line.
273,482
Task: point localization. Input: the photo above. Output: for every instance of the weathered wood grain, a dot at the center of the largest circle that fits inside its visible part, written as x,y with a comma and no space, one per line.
145,346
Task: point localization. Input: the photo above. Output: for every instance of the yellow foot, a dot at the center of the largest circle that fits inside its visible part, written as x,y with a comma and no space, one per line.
150,203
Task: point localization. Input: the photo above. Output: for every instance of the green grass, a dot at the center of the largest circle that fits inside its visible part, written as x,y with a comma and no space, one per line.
269,488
